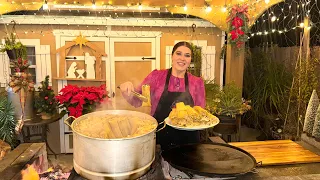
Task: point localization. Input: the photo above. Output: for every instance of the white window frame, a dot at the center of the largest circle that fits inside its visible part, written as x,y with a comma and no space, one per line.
39,75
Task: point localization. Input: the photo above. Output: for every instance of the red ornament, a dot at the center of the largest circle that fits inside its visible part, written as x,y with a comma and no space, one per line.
49,87
46,97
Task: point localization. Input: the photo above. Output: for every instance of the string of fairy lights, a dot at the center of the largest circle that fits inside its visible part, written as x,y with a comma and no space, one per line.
279,20
284,22
107,10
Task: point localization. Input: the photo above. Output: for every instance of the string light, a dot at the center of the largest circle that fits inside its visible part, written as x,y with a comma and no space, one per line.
301,25
267,1
185,8
208,8
224,9
94,4
45,5
140,7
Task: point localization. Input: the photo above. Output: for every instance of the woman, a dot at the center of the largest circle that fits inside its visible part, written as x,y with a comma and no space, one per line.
168,87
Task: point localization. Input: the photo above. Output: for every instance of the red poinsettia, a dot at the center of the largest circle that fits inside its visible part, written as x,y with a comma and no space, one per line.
81,100
236,33
237,22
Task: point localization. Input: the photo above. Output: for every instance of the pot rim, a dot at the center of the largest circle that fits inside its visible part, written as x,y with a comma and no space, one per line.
105,112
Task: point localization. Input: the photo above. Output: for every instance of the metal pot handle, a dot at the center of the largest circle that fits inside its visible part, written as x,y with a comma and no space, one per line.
164,125
259,164
67,120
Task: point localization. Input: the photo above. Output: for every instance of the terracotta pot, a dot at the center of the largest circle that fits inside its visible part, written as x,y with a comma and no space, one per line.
317,139
46,115
227,125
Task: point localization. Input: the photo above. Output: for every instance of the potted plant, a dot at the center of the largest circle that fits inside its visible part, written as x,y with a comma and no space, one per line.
228,102
21,90
14,49
77,101
196,60
45,101
7,121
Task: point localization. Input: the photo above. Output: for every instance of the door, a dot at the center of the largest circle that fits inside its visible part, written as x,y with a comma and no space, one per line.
132,59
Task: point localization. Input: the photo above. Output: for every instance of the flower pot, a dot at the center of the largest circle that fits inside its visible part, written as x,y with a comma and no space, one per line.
14,98
227,125
45,115
317,139
12,54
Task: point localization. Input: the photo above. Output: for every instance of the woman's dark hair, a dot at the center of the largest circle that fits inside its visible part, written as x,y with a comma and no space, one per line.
181,43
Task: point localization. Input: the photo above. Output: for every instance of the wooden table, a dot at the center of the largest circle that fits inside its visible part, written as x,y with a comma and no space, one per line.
278,152
43,124
17,159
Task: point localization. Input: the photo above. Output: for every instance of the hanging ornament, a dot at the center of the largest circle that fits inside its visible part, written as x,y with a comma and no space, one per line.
316,127
311,113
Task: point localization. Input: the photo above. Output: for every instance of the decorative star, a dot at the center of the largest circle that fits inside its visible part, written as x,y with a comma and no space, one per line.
80,40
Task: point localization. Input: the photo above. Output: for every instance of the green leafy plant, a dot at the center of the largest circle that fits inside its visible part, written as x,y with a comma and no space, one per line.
45,101
196,60
305,80
7,121
212,90
228,102
266,83
18,48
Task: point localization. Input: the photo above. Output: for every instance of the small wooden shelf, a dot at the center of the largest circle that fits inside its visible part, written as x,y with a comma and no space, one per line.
76,79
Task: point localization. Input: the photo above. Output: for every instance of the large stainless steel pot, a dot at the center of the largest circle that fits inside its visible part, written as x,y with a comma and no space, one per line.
127,158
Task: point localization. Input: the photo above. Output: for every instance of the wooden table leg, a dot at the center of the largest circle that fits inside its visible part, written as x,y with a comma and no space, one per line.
238,125
44,138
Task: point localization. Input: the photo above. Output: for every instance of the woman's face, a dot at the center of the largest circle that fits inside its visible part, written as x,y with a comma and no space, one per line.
181,58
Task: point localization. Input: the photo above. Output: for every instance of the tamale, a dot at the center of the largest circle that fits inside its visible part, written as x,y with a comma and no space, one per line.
115,128
124,126
146,93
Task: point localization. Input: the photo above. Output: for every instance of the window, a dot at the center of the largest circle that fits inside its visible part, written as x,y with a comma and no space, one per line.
31,56
39,59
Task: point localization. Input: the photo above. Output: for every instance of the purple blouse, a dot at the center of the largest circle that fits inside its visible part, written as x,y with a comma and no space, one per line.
157,79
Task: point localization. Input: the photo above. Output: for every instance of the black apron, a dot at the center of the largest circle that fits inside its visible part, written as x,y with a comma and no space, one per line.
170,137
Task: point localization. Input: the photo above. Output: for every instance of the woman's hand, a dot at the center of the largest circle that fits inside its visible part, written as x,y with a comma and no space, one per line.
126,88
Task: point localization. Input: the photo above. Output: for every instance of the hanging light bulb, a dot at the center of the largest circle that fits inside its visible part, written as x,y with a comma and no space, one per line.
208,7
185,7
94,4
267,1
45,5
140,6
301,25
224,8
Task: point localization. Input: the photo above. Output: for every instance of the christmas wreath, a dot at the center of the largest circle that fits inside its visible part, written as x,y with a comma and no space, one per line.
238,20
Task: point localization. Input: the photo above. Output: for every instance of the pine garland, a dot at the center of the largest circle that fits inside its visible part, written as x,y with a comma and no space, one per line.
45,102
238,20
